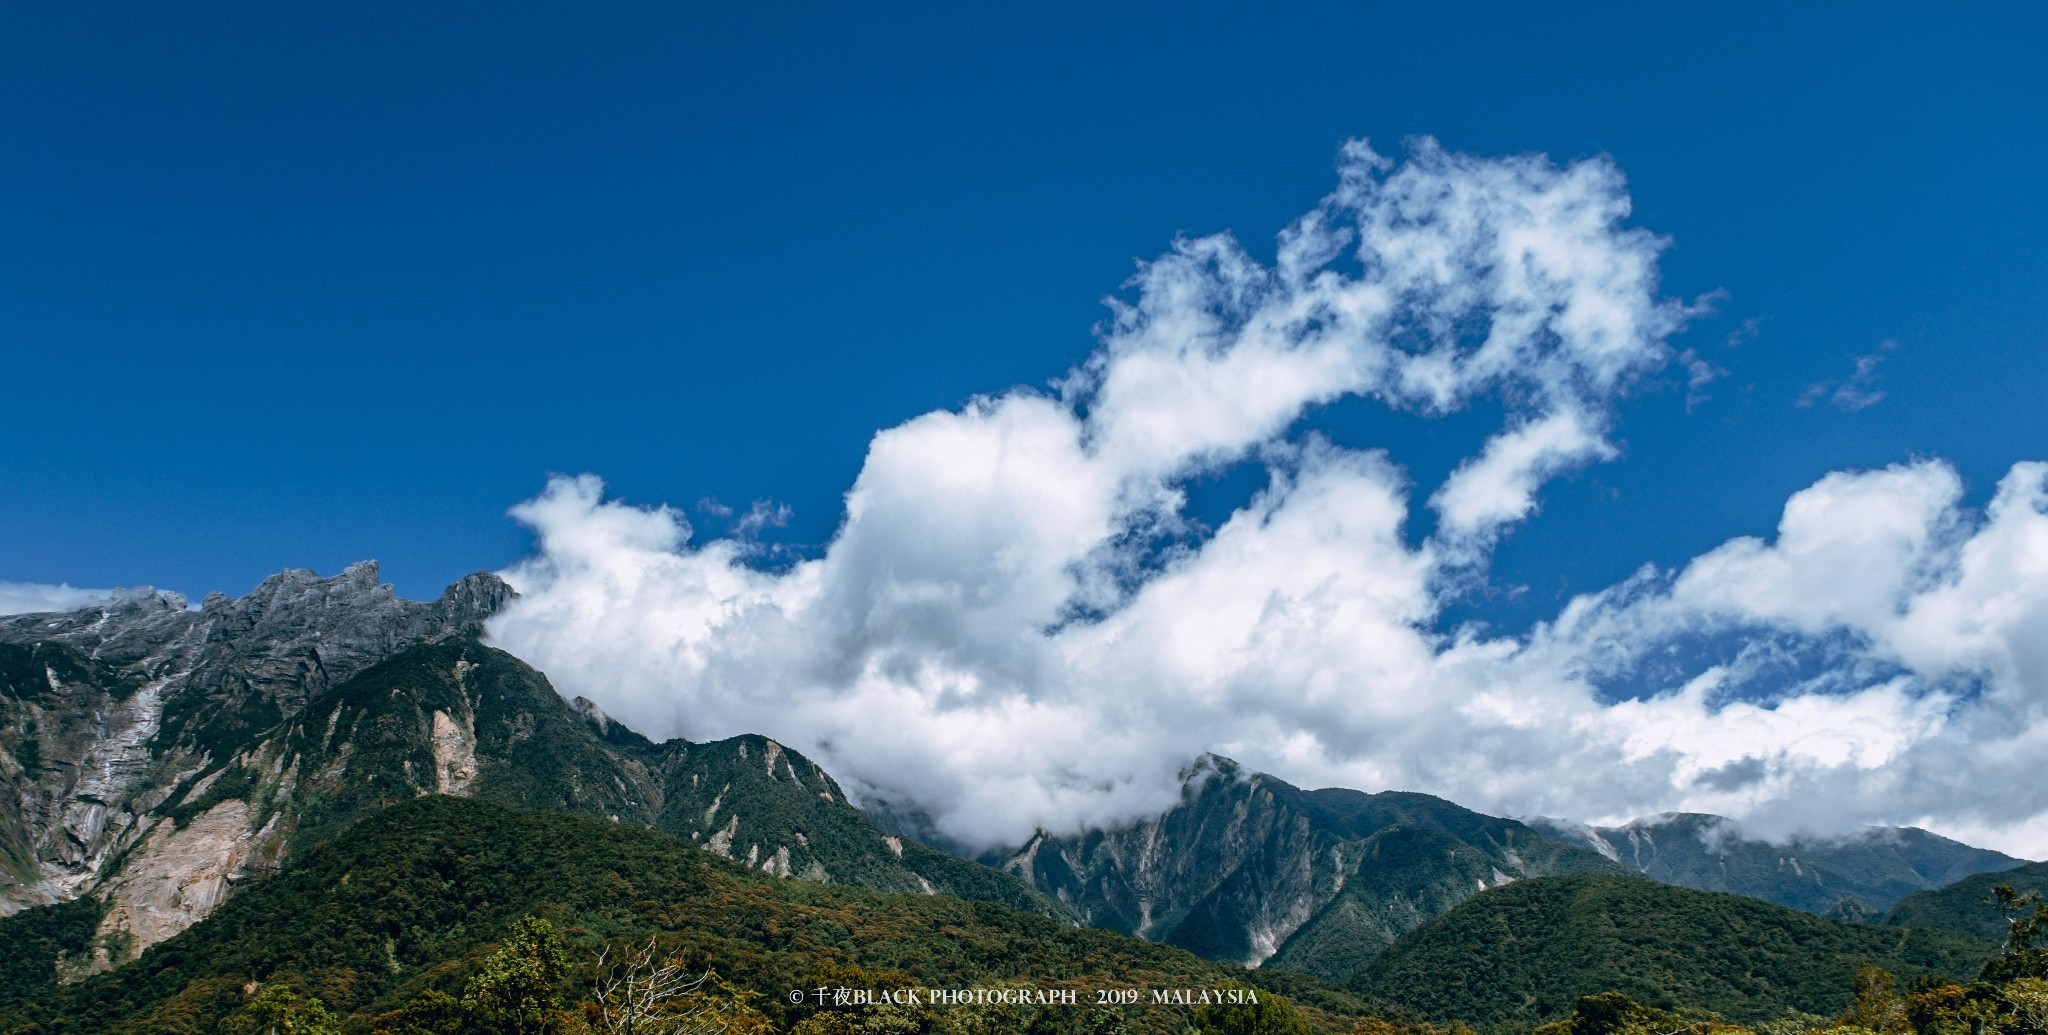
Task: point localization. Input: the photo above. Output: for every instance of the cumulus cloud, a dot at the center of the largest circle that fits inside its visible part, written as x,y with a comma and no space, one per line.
1017,627
18,598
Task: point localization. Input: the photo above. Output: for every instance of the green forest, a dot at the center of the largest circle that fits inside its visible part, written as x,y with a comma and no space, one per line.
448,916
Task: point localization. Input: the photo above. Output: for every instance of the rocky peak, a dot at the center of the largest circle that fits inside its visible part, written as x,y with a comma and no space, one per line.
1249,868
167,694
473,598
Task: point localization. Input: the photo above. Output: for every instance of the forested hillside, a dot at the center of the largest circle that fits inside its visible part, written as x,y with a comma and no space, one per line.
1519,956
1964,905
410,901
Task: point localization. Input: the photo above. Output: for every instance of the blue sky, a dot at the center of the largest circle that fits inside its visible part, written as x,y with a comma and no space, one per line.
1084,473
285,287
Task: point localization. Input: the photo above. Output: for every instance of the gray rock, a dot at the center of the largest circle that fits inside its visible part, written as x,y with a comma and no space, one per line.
106,710
1250,869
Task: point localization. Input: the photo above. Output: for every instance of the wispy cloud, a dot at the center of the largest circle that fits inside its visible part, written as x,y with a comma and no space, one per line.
932,657
1858,391
33,597
1698,375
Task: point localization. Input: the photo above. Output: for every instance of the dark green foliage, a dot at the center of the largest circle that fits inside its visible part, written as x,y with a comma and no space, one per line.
236,782
413,897
28,750
278,1010
33,940
1521,955
1267,1015
26,671
1406,875
369,743
431,1012
517,987
1965,905
2026,928
1610,1013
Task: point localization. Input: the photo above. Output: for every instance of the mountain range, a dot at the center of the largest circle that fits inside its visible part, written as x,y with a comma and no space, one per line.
1253,870
1859,876
161,757
164,758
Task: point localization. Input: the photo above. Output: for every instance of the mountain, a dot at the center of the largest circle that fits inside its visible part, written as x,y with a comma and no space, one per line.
108,712
1250,869
164,757
1965,905
1520,955
405,900
1859,875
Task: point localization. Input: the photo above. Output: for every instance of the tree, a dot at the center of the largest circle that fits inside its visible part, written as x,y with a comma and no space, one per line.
1874,1002
2026,1006
277,1010
2026,922
1938,1007
1614,1013
637,992
2026,917
517,990
428,1013
1267,1015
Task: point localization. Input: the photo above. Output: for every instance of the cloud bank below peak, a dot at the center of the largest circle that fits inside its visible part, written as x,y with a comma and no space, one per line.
1017,627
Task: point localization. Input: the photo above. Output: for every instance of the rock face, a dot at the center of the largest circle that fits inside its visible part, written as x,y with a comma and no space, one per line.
111,717
160,757
1251,869
1862,875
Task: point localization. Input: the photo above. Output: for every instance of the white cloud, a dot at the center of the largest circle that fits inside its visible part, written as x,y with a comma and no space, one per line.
18,598
1013,627
1499,485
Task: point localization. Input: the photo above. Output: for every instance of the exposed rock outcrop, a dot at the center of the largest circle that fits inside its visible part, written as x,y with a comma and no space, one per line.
111,714
162,756
1251,869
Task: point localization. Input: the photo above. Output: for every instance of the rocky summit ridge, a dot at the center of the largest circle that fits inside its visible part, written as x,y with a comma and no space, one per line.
157,756
1249,868
108,712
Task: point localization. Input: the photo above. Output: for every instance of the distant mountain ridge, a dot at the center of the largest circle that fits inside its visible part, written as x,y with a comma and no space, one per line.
1251,869
1860,875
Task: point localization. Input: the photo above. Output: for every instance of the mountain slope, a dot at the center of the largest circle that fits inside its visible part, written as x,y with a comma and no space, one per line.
1964,906
1708,853
1250,869
402,901
107,712
1520,955
134,739
461,718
